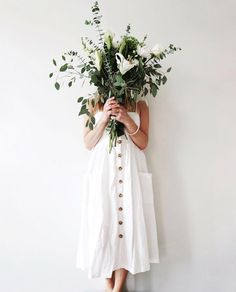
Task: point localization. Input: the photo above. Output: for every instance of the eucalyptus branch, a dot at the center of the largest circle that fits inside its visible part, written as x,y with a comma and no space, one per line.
148,60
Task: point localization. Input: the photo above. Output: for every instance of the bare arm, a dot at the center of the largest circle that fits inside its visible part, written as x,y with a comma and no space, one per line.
91,137
141,137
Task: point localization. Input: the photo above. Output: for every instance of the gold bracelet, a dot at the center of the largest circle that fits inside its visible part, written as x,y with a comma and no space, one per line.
131,134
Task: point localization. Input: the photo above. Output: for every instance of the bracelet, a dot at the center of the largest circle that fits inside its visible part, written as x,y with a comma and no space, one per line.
131,134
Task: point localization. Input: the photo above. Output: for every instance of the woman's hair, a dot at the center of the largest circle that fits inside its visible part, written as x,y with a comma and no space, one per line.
129,104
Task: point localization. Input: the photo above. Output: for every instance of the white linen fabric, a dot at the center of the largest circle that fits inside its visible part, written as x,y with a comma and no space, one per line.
117,220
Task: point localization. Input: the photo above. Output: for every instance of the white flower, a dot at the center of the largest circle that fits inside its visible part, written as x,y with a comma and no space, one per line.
123,64
144,52
98,60
109,33
115,43
108,37
122,45
157,50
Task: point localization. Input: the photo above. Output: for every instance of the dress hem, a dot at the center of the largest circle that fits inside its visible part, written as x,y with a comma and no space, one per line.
109,275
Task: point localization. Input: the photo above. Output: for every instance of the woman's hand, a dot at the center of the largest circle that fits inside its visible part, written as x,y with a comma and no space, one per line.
141,136
108,109
91,137
120,113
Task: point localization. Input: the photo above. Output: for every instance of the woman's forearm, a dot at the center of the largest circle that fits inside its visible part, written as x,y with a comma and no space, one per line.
140,138
93,136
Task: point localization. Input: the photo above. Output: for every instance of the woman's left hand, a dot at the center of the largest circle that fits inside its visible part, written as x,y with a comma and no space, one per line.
120,113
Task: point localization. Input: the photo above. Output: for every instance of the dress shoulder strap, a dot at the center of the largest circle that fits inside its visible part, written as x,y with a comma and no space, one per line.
136,107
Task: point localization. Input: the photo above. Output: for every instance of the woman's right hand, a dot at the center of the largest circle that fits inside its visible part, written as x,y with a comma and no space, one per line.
108,107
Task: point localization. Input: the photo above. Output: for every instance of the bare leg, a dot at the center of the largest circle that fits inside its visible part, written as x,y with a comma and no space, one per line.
120,277
110,282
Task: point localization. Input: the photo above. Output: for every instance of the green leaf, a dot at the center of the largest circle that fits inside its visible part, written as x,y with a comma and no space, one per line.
54,62
93,120
63,57
70,84
64,67
83,70
84,101
119,81
145,91
164,79
90,126
154,89
50,75
83,110
168,70
80,99
157,65
57,85
94,79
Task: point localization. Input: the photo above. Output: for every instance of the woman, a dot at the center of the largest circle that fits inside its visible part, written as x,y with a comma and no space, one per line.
118,227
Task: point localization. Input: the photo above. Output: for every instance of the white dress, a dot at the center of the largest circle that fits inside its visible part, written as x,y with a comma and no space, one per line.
117,219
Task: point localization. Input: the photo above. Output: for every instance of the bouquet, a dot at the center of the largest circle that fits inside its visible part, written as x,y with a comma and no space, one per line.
124,68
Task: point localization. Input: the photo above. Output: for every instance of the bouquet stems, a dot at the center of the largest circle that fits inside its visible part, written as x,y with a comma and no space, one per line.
115,129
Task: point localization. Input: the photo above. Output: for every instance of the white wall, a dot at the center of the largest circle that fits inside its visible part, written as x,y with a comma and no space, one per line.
191,151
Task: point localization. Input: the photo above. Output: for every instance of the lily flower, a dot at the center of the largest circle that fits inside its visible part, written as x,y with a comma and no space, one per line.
108,38
144,52
98,60
125,65
115,43
122,45
157,50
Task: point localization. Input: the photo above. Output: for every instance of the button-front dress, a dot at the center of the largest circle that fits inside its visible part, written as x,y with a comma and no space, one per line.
117,227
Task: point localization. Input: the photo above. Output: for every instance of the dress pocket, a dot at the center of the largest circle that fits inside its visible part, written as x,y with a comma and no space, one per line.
146,186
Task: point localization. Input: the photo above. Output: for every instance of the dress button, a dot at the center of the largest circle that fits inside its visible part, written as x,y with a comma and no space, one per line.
119,141
120,222
120,195
119,155
120,209
120,181
120,235
120,168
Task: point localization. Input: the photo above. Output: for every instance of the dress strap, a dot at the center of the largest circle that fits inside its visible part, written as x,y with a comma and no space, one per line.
136,107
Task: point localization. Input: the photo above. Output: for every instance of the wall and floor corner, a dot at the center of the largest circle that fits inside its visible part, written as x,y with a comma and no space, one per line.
191,151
